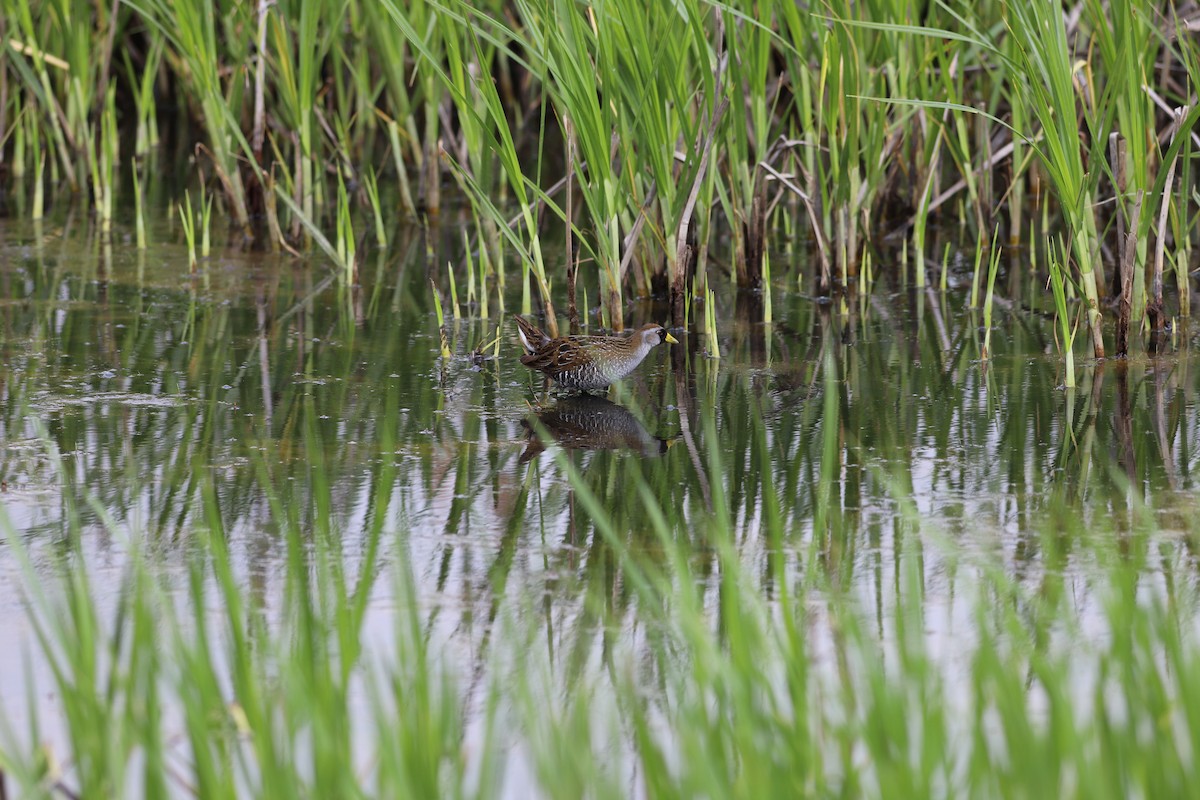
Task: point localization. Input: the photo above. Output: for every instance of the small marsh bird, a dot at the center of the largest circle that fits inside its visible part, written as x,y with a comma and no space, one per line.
587,362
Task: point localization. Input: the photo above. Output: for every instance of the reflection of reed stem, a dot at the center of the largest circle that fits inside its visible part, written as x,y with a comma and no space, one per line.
687,407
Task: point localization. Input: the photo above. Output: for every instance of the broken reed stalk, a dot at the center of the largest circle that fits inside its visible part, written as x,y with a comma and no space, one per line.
814,219
920,220
1154,308
1127,271
1127,225
569,248
1183,238
750,266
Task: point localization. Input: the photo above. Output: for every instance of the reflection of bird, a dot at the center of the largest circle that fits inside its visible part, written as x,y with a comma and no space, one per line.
587,362
586,422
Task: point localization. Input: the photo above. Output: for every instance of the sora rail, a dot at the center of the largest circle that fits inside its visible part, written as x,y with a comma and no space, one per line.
587,362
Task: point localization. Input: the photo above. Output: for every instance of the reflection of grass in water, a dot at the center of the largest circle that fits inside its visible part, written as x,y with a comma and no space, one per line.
737,660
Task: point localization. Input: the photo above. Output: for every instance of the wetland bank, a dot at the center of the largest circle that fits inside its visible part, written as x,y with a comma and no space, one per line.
910,510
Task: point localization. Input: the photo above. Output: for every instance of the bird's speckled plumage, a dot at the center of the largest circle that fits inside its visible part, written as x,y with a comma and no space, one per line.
587,362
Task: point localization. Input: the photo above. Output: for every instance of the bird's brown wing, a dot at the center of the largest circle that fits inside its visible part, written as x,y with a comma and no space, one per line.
557,355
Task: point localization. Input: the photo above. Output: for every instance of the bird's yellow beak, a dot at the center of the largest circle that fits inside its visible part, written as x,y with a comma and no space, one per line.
671,338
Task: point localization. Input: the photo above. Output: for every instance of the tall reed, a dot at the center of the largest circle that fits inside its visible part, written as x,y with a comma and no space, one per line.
687,120
192,28
1058,260
1045,77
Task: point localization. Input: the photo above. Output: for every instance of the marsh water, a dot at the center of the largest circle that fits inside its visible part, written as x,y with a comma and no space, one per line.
140,405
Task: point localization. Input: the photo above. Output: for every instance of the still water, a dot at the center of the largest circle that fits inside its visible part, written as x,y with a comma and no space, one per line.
136,399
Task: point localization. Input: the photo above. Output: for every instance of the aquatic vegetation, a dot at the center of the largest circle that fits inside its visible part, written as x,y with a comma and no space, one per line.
861,534
673,123
1066,331
188,220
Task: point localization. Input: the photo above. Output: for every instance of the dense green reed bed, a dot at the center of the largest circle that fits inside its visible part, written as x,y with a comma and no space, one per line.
675,140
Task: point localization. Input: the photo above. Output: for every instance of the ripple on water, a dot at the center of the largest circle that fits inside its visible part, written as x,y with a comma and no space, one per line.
135,399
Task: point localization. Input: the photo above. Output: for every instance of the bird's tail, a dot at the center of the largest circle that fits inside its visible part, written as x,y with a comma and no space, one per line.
532,337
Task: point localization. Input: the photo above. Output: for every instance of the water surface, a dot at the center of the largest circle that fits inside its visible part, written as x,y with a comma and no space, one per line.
134,396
